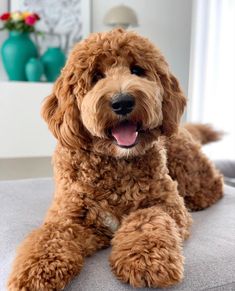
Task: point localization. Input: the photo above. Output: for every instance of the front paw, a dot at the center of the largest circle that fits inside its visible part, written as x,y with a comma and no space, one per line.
40,278
47,259
144,267
43,275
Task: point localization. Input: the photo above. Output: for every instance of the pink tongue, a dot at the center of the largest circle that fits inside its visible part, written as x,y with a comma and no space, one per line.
125,134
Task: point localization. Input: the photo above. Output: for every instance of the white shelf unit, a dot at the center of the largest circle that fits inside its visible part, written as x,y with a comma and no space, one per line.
23,132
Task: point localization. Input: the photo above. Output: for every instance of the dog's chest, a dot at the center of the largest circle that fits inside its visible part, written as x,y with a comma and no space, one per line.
110,189
113,196
123,185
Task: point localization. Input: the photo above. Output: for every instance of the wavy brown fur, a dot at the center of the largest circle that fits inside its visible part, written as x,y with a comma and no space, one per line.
105,194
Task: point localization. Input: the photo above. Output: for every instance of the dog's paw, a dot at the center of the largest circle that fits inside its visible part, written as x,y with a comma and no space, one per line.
151,268
44,275
37,279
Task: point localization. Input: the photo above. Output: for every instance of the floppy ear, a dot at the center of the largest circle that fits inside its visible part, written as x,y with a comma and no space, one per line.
60,110
173,103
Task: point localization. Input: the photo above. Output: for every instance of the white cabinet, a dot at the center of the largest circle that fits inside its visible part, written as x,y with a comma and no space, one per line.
23,132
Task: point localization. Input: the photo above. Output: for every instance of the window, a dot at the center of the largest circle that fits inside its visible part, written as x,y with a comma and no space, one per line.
212,73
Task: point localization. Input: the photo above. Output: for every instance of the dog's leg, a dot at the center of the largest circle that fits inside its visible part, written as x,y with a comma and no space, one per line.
147,248
199,182
51,256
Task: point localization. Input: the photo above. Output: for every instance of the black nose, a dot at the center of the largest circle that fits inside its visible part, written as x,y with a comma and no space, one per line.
123,104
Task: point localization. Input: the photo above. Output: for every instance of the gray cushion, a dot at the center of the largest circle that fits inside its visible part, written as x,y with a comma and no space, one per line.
227,168
209,252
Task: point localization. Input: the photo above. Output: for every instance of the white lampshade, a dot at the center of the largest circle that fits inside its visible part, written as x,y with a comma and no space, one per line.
121,16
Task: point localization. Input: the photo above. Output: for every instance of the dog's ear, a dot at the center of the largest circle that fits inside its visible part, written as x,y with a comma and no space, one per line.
60,110
173,103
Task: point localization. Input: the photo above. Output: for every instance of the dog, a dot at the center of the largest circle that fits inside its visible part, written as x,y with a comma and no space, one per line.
126,173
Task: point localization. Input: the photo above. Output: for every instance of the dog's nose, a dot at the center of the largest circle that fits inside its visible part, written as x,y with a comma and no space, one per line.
123,104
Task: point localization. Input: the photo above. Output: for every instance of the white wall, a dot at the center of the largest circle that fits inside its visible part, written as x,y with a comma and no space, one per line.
166,22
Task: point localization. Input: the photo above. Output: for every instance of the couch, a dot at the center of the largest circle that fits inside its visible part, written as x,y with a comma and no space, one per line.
209,252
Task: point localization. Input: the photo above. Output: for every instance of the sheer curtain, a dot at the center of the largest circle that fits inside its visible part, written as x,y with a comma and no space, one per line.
212,73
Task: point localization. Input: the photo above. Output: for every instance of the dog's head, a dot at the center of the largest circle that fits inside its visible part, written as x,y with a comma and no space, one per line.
115,96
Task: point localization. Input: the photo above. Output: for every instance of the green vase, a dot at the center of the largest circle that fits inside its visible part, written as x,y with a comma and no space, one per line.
16,51
34,70
53,61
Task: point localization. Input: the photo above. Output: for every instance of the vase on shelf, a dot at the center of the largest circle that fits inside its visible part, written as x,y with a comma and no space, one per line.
34,70
53,61
16,51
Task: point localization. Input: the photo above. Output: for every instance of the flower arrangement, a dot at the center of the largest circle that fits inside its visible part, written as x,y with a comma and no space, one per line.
19,21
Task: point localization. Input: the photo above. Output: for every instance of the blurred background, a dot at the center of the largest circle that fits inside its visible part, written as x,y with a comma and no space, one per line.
197,38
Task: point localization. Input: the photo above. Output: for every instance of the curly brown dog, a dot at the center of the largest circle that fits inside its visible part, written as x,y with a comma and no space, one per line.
123,170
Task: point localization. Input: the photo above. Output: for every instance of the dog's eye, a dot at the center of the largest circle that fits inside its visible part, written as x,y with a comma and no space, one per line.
97,76
138,71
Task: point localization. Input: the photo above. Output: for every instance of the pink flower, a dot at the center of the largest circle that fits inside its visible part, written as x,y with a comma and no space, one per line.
5,16
30,20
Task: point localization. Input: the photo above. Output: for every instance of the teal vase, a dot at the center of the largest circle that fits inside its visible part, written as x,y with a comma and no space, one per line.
34,70
53,61
16,51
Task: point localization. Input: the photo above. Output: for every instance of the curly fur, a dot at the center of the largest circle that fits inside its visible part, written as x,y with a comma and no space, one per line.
132,198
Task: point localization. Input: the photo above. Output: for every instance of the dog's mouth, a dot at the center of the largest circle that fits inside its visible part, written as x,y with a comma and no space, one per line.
125,133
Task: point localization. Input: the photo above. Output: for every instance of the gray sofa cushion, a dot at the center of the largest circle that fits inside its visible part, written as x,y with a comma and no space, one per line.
209,252
227,167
